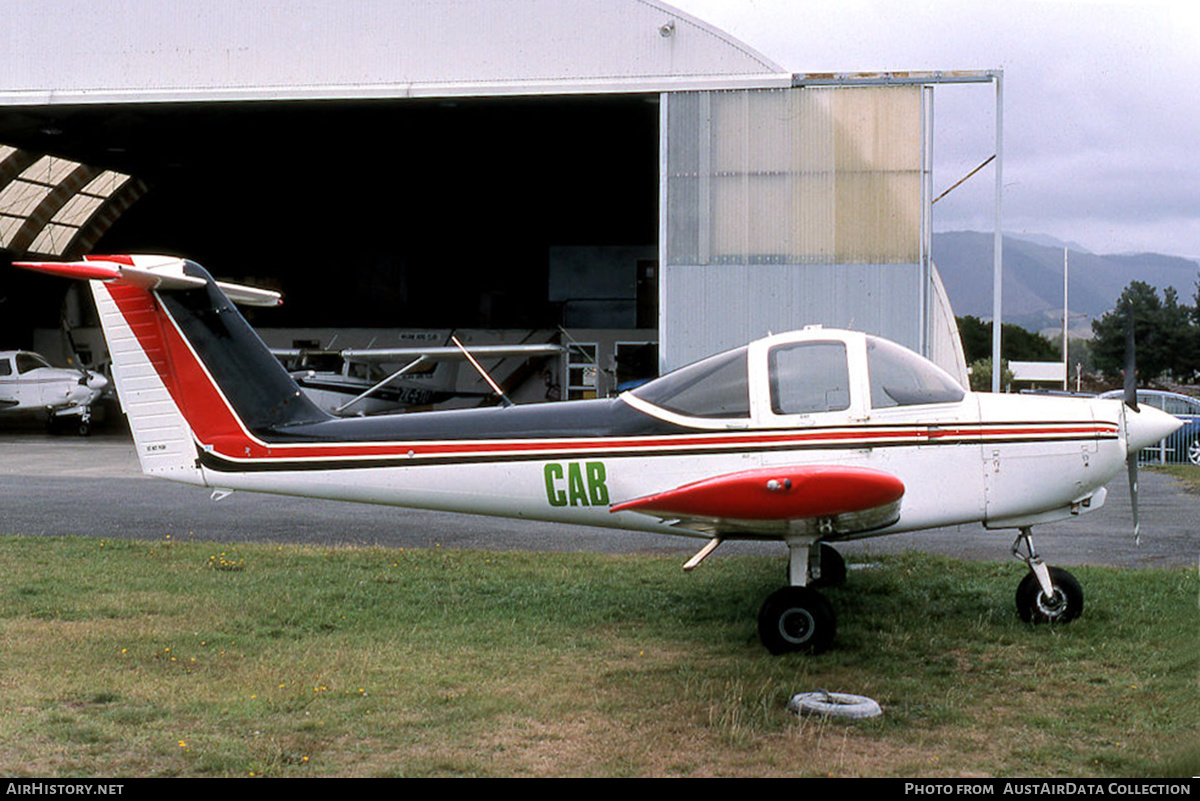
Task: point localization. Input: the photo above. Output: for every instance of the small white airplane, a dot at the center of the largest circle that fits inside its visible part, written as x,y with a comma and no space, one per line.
427,375
28,383
808,437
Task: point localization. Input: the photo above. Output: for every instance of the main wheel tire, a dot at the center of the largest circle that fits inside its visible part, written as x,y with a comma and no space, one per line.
1062,607
796,619
833,569
1193,451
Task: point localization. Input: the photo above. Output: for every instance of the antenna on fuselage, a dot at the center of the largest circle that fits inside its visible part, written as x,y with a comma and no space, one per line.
495,387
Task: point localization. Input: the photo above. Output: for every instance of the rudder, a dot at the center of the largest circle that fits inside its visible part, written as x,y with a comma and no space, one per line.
162,437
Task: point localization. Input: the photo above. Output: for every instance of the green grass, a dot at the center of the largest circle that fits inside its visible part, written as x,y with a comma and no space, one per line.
128,658
1186,474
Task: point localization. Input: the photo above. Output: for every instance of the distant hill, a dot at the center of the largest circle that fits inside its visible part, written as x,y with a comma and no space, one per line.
1033,278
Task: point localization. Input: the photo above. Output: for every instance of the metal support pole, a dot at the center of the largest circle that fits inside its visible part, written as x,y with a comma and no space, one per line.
998,246
1066,314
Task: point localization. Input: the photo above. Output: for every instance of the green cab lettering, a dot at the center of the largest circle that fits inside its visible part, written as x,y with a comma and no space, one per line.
576,484
597,489
554,474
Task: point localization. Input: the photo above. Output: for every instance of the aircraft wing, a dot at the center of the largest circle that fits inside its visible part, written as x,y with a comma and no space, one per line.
449,353
431,354
833,499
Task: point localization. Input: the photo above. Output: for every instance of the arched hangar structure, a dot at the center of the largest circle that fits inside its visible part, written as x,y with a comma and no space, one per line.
473,163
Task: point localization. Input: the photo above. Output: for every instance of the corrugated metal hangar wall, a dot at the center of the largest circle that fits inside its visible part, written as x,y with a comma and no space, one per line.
792,206
778,205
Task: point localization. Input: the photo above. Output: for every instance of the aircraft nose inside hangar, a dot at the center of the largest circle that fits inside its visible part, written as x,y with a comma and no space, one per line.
420,165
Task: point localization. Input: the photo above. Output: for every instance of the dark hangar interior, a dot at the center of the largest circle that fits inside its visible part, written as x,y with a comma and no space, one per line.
415,213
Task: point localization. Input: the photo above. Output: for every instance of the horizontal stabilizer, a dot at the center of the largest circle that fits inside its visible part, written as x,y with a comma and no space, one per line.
155,273
777,494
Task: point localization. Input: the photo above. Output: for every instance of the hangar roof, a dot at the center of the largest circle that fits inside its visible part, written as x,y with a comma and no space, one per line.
104,82
54,206
82,51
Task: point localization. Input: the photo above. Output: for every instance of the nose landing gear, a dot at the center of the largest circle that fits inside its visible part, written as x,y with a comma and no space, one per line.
1046,594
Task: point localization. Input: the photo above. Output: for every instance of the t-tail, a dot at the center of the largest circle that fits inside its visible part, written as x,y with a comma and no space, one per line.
189,370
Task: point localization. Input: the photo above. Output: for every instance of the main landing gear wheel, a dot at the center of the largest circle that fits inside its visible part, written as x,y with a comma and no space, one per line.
1062,606
1193,451
796,619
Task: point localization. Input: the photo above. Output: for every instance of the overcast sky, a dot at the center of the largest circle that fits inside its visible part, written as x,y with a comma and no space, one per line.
1101,103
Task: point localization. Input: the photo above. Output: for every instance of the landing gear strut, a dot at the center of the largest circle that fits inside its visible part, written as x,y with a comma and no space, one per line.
81,422
797,618
1046,594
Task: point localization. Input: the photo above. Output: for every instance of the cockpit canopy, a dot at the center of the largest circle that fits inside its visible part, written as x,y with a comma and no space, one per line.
718,386
21,361
900,377
810,372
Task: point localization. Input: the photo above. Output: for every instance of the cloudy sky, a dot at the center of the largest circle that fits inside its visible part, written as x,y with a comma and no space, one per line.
1101,103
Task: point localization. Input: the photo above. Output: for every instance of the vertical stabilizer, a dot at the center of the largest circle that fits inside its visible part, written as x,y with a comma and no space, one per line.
191,374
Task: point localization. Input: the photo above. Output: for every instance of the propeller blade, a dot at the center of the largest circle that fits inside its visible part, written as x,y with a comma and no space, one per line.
1132,464
1130,385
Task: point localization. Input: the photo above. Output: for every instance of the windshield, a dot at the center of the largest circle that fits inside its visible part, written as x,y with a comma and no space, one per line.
718,386
30,361
900,377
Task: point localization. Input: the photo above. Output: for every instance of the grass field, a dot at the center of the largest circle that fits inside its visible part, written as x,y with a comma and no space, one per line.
129,658
1186,474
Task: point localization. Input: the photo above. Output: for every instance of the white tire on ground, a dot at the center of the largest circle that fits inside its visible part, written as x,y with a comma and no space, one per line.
834,705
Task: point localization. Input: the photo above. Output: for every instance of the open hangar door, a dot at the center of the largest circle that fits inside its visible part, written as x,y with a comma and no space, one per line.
377,213
515,213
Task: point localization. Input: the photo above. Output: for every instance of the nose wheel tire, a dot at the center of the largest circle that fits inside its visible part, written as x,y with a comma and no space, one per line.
1062,606
796,619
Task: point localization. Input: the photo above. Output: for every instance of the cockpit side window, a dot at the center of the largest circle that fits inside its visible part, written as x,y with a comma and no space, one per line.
30,361
718,386
900,377
809,377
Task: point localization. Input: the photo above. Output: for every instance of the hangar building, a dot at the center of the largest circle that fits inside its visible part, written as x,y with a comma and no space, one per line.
563,165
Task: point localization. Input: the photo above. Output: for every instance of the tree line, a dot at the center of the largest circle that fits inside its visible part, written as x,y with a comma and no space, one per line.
1016,344
1166,336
